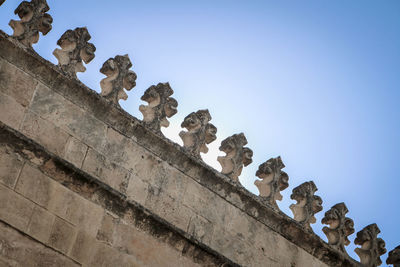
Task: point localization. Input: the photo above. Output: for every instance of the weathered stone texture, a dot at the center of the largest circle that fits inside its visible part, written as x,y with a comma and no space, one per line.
236,156
273,180
119,77
161,106
340,226
111,191
75,49
10,167
199,133
34,19
19,250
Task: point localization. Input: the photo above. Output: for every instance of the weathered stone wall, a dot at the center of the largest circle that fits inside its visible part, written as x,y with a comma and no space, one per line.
83,182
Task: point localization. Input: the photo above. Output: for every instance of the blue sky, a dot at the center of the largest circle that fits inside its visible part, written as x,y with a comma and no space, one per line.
316,82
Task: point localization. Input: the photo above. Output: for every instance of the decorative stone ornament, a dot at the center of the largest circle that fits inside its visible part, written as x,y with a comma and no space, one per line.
199,132
394,257
340,226
75,48
161,106
34,19
273,180
118,77
236,155
372,247
307,204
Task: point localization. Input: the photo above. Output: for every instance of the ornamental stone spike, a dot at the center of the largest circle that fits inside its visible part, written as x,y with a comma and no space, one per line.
161,106
236,156
75,48
34,19
307,204
340,227
199,132
372,247
273,180
394,257
118,77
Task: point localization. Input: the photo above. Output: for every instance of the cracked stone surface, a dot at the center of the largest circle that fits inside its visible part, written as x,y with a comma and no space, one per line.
34,19
160,106
273,180
119,77
199,132
307,204
75,49
340,226
236,156
372,247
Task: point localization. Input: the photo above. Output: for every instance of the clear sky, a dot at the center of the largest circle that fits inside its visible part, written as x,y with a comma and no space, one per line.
316,82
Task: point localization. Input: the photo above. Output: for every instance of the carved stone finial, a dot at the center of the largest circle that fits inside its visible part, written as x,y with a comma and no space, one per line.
307,204
118,77
34,19
200,132
273,180
161,106
236,155
75,48
394,257
340,226
372,247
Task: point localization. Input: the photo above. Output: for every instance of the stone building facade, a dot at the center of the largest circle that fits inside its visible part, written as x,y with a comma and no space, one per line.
83,183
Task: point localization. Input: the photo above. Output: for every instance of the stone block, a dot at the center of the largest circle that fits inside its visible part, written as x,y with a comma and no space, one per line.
16,83
40,224
201,229
62,235
89,218
11,112
106,231
35,185
83,248
15,209
10,167
108,172
18,249
137,190
122,150
68,116
75,151
233,248
198,198
107,256
45,133
168,208
146,249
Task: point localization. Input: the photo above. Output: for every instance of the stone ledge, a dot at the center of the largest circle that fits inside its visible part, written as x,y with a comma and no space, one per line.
94,190
131,127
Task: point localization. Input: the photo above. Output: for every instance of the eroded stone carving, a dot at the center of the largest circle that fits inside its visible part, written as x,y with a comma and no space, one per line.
236,155
307,204
34,19
118,77
200,132
75,48
394,257
340,227
273,180
161,106
372,247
